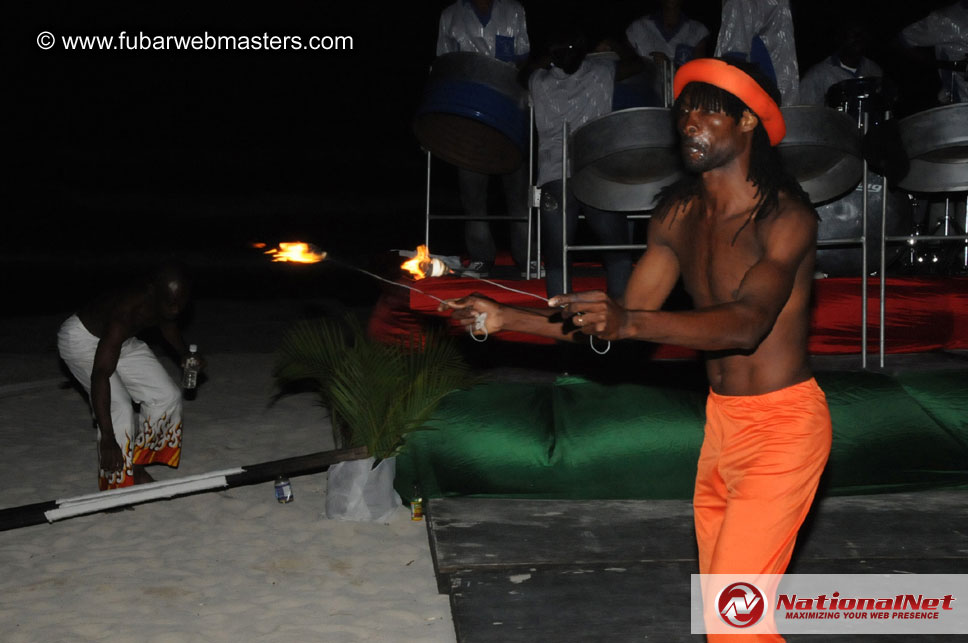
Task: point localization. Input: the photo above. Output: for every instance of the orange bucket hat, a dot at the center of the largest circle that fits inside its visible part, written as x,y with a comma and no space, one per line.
738,83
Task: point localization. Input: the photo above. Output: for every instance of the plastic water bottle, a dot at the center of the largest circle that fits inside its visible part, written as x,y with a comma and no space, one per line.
190,374
283,489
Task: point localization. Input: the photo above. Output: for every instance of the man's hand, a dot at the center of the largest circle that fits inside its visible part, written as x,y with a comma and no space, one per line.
468,309
593,313
109,454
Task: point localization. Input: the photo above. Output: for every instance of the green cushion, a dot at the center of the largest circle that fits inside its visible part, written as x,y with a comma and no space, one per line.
944,396
581,439
884,440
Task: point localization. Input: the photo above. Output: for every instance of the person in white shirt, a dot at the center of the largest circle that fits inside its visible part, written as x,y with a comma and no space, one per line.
761,32
947,31
574,90
668,35
848,62
495,28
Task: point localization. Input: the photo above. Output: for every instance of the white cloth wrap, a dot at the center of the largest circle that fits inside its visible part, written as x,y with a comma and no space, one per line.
139,377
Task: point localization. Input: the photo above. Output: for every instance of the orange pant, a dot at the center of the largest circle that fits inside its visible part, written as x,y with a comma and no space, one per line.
759,466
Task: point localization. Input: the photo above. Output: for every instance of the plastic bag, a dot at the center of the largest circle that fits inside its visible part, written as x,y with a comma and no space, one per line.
358,491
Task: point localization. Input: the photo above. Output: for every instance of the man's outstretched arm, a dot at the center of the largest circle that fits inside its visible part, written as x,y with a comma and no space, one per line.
738,324
471,310
653,278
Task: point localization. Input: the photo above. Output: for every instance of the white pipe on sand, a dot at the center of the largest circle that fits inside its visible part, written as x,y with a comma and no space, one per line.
112,498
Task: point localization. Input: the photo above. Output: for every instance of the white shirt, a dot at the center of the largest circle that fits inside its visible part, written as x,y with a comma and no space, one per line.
576,99
749,22
947,31
826,74
647,35
505,36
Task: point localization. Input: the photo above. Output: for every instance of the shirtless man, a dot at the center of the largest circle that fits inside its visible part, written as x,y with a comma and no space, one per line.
100,347
741,235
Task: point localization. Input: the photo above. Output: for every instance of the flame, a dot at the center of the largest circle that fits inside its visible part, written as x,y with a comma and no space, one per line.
419,265
297,252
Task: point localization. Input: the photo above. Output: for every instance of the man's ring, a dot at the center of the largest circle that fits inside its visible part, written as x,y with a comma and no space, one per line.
580,320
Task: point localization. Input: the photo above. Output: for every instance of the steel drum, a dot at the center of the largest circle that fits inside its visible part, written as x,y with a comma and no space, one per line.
474,113
620,161
843,219
872,95
822,150
936,142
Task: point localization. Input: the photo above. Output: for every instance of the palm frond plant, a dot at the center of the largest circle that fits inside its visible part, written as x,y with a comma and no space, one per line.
376,393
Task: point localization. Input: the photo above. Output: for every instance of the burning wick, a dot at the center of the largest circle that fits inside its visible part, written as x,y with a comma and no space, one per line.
294,251
423,265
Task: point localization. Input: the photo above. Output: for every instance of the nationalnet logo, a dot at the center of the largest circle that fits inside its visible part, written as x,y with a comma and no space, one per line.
741,605
830,604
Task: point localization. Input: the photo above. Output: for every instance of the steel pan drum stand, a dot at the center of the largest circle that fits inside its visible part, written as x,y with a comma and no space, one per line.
462,217
913,239
565,246
946,229
935,141
862,241
949,228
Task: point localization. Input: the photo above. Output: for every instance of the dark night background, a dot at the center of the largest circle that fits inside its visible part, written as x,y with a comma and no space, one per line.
116,158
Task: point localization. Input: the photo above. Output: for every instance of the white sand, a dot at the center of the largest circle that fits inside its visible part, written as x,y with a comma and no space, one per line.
231,565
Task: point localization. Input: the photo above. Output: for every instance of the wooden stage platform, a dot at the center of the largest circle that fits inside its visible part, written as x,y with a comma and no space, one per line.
583,571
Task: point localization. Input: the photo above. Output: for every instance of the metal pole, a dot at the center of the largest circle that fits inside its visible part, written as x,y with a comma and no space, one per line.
665,84
672,86
427,207
863,270
527,195
882,301
536,203
564,208
947,215
964,230
668,73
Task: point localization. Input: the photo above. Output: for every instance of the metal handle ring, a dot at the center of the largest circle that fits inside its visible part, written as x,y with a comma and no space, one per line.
608,345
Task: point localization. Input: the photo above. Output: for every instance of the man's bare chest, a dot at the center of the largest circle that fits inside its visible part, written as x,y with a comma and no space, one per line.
715,259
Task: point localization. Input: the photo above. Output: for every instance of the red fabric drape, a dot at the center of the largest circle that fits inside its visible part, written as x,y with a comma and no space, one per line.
921,313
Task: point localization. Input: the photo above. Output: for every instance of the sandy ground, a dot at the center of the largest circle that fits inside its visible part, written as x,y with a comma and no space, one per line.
231,565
